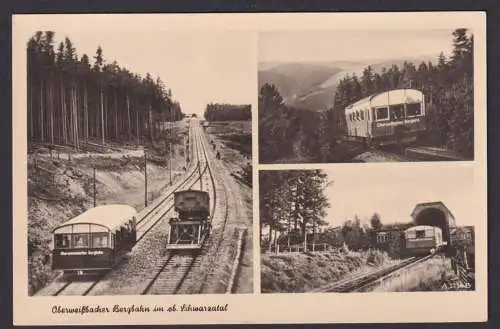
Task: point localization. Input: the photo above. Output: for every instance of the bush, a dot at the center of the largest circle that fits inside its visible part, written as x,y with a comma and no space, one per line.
376,257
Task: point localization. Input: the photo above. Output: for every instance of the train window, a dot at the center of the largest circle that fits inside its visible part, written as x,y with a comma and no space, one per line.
99,240
413,109
63,241
420,234
382,237
382,113
80,240
397,112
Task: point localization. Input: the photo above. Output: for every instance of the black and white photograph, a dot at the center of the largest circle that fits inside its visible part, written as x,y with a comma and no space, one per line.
235,168
139,162
366,96
400,231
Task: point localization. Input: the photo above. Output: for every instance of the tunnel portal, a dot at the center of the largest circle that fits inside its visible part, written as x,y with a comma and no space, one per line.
434,214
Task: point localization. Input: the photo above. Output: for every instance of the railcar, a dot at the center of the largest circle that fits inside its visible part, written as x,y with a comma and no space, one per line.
423,239
95,240
392,117
191,227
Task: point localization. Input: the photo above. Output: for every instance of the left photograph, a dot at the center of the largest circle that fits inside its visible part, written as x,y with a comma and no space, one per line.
139,162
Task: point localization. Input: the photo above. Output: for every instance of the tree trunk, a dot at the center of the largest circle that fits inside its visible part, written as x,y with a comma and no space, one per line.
304,230
150,122
71,118
260,227
86,111
102,117
64,115
51,108
30,108
129,126
269,248
314,235
41,111
75,115
116,115
288,232
137,126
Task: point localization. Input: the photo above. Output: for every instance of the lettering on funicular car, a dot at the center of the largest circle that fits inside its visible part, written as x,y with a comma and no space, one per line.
94,240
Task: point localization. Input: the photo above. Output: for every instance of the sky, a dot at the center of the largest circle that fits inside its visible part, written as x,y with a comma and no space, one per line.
393,192
198,66
310,46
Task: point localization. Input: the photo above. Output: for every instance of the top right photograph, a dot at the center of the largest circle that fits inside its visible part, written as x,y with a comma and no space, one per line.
366,96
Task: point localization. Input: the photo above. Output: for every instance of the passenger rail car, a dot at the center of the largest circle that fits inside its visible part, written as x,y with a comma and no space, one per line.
391,117
423,240
95,240
189,230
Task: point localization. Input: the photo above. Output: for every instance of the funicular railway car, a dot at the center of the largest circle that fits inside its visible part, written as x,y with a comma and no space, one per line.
95,240
391,117
189,230
423,240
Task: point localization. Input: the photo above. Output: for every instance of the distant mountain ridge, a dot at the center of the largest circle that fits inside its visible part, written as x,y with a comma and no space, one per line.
312,85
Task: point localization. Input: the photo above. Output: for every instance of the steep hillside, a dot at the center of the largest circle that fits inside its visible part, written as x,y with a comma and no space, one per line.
312,85
295,79
301,272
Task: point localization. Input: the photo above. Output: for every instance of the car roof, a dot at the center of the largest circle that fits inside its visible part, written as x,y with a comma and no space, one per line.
390,97
190,191
111,216
421,227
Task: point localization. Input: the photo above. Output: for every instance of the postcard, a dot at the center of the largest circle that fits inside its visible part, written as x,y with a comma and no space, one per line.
249,168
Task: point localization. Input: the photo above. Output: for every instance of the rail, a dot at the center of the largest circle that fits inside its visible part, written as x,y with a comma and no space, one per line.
75,287
174,271
363,280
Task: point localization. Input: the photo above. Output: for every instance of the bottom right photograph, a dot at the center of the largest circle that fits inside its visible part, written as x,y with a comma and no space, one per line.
382,229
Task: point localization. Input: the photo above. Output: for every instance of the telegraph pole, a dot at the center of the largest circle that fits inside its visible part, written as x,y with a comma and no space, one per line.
170,146
170,152
186,151
145,179
95,189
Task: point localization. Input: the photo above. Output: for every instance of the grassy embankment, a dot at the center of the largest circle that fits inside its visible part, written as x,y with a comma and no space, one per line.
427,276
233,139
301,272
53,199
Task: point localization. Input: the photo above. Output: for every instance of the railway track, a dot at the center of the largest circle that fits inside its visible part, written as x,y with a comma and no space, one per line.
148,219
411,153
76,288
224,243
175,269
362,281
150,216
175,272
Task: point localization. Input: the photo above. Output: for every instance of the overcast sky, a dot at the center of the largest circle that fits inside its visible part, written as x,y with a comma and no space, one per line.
393,192
199,66
308,46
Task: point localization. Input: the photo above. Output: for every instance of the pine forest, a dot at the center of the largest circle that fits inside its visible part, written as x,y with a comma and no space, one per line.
286,132
73,99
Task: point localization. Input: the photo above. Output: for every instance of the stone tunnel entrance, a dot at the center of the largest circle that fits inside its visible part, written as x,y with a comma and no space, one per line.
434,217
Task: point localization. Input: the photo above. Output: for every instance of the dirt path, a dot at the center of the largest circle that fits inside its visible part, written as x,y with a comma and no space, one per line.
380,156
240,217
111,155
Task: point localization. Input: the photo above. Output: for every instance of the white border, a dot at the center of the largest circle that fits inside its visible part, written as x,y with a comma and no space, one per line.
257,308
